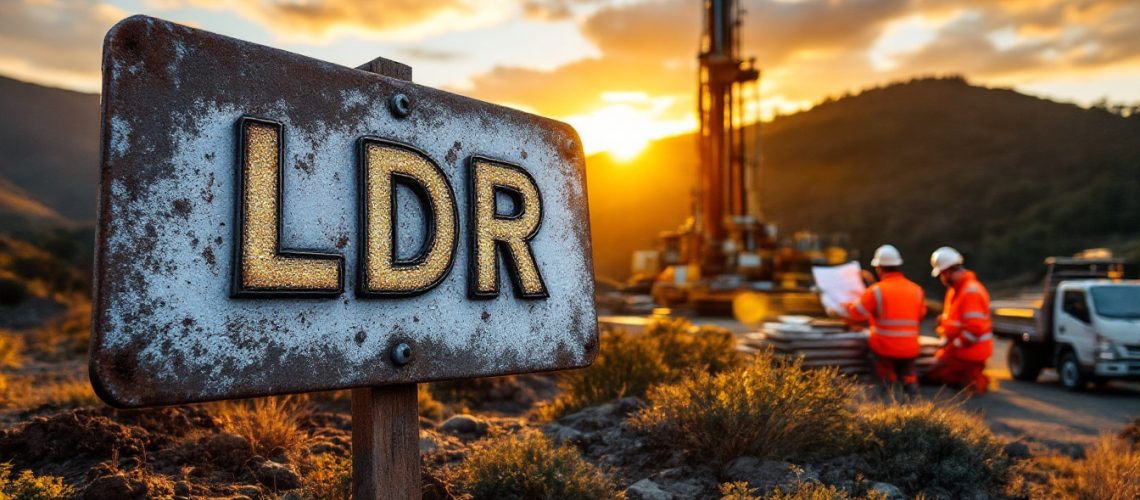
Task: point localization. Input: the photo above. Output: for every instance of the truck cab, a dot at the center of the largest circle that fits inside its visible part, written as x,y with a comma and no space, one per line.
1087,324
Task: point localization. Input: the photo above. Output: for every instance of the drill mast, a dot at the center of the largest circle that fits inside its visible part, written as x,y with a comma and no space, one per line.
726,216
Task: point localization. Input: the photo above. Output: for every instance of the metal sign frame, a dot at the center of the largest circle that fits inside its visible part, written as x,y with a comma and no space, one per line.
166,329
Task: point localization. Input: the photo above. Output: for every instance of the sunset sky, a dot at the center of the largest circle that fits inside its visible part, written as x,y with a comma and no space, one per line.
623,71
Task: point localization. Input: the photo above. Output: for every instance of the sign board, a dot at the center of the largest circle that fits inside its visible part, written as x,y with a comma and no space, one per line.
271,223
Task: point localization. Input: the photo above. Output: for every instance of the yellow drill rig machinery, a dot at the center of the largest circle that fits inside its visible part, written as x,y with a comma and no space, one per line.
726,248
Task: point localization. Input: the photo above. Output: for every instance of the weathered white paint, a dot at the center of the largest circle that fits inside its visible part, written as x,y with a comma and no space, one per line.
188,335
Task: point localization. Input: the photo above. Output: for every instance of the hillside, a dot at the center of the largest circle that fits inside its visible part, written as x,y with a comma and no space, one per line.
21,214
1005,177
49,146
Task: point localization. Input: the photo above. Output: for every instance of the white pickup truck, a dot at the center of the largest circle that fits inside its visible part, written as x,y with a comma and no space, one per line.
1086,325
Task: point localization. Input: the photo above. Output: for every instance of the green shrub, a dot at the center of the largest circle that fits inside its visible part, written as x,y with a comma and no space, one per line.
769,408
527,465
930,444
629,364
28,486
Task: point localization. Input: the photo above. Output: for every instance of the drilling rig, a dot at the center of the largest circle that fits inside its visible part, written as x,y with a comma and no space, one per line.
726,248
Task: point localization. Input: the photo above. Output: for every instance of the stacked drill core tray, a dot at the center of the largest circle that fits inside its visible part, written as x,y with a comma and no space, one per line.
824,342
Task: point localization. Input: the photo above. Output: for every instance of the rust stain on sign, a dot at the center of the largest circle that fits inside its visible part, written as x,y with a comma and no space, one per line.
175,324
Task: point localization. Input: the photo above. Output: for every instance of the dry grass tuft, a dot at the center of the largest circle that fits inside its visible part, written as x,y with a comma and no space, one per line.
626,365
769,408
340,401
271,425
1131,433
63,338
930,444
1110,471
32,391
11,350
329,478
428,406
685,348
527,465
28,486
629,364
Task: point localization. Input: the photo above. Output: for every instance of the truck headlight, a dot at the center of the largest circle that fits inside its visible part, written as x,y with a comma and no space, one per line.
1106,350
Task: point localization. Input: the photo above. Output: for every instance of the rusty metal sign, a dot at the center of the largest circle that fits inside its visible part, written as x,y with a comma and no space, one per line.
271,223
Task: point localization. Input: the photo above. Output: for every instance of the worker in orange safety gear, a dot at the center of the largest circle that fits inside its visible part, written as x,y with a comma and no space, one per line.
964,325
893,307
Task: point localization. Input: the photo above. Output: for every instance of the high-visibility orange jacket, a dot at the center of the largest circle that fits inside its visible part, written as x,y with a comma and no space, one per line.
965,321
894,307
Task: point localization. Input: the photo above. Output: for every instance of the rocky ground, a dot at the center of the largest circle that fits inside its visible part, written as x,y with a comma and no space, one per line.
52,425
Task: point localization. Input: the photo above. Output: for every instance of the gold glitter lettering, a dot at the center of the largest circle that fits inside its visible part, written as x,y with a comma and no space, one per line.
384,165
263,267
492,232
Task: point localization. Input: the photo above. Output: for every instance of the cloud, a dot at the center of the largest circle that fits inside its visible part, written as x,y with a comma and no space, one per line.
426,54
811,49
1040,39
326,19
56,42
554,10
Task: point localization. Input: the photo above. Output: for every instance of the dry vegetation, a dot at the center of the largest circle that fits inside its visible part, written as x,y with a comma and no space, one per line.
45,366
1110,470
528,465
699,401
772,409
28,486
930,445
628,365
271,426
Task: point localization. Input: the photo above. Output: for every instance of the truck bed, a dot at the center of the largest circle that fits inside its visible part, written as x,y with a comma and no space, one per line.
1016,317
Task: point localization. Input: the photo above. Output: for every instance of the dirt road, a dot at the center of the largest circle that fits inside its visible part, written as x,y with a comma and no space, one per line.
1046,413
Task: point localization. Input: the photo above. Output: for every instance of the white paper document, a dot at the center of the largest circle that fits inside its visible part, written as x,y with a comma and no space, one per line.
838,285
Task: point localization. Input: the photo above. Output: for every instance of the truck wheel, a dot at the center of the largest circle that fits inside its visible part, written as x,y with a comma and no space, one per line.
1024,363
1072,376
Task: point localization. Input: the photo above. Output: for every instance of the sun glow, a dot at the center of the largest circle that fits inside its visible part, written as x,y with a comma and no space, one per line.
627,122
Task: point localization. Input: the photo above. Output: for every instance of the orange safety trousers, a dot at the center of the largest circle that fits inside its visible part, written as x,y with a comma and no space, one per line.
953,371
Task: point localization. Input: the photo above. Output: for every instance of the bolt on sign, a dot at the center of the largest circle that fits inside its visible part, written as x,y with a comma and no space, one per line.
271,223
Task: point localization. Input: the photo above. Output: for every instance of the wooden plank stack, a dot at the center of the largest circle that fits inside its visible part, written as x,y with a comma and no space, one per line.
823,342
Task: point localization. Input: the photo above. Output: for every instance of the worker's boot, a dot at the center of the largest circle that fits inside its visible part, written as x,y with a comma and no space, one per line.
981,384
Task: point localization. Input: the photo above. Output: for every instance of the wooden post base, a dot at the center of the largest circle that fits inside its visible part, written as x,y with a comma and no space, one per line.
386,443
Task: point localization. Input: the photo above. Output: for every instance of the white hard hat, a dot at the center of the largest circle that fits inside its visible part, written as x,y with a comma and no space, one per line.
944,258
887,256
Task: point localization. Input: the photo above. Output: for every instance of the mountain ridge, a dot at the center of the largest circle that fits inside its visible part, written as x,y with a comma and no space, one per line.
1008,178
920,164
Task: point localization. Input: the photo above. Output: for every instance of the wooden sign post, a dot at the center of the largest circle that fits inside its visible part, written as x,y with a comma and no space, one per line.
274,224
385,419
